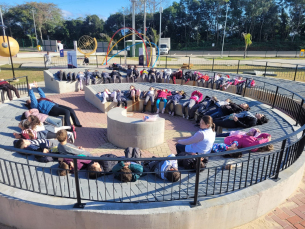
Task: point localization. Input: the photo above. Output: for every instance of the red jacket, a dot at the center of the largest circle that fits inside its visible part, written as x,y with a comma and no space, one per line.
3,82
163,94
196,94
247,141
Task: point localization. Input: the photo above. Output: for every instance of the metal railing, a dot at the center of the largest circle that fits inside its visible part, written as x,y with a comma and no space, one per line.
251,169
22,87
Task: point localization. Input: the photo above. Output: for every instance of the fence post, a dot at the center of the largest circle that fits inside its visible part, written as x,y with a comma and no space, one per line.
196,202
189,60
213,81
238,67
166,62
277,88
245,87
266,68
27,84
296,71
299,112
280,160
213,65
96,60
121,61
79,203
45,64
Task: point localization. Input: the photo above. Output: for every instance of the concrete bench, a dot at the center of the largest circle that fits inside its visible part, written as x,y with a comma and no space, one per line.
123,131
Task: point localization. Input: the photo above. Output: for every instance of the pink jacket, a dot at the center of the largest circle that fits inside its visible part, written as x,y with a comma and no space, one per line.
245,141
35,112
163,94
196,94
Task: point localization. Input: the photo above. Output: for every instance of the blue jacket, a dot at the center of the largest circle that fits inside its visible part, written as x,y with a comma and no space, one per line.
43,106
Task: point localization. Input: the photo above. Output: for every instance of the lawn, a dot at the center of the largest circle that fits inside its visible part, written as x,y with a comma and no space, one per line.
34,74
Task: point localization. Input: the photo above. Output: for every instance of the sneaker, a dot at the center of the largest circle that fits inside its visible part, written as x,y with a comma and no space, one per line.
187,117
173,113
163,110
158,111
71,137
169,113
183,116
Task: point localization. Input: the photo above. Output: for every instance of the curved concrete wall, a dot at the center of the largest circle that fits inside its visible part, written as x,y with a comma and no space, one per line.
123,131
24,209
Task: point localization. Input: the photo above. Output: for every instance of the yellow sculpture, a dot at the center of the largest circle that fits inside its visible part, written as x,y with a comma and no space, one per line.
4,51
87,45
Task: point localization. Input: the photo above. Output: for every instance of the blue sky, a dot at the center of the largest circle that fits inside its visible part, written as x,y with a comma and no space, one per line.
81,8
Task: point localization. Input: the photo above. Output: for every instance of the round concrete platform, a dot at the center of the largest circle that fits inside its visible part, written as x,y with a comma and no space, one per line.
124,132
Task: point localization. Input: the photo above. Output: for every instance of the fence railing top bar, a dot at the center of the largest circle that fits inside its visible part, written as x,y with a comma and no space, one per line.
19,77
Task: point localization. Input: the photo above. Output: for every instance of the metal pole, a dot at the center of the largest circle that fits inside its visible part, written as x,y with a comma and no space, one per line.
196,203
9,49
224,32
133,26
144,20
277,89
280,159
35,28
266,68
299,112
79,203
296,71
238,67
2,23
160,26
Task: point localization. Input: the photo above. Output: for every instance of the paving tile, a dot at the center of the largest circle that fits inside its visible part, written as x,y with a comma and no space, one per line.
294,219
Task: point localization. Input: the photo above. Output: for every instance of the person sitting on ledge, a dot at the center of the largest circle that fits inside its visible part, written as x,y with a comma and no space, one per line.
243,119
162,96
115,75
135,73
97,169
4,85
47,106
166,170
195,98
202,141
67,148
149,95
174,99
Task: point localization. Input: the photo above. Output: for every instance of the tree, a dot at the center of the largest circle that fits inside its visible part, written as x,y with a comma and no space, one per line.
248,42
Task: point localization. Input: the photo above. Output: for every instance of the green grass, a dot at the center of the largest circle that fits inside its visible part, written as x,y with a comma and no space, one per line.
34,74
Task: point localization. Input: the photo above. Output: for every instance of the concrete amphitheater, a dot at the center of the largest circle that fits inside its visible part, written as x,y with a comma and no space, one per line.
222,204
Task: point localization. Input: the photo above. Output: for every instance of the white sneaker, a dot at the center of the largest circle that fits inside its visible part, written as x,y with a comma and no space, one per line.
187,117
183,116
71,136
163,110
157,111
169,113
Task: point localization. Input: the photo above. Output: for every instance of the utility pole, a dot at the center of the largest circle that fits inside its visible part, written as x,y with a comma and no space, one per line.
224,31
133,26
35,27
160,24
124,35
144,20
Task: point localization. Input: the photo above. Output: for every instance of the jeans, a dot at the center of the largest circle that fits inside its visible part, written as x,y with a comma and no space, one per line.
54,121
158,102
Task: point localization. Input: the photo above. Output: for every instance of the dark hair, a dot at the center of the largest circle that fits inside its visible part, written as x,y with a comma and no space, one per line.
63,167
266,148
35,122
125,174
173,176
208,120
94,172
129,66
262,120
27,104
19,144
61,135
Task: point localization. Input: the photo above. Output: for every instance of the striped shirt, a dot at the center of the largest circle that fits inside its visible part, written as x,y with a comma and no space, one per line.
37,142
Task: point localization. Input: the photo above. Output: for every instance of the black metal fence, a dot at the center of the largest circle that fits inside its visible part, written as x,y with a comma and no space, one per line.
22,87
249,170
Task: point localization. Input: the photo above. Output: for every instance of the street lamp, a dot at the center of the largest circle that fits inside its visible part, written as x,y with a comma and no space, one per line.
224,31
9,47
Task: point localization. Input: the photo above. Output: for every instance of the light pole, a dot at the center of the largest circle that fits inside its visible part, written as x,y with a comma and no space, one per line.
35,27
133,26
224,31
124,26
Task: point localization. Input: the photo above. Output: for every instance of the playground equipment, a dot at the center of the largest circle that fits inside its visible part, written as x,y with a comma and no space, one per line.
6,43
139,35
87,45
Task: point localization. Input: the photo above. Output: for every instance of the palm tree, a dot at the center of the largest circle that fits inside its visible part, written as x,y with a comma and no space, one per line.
248,42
